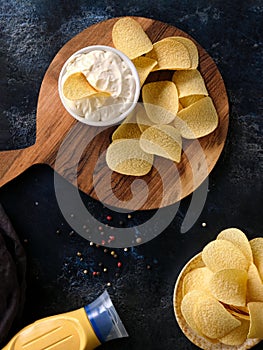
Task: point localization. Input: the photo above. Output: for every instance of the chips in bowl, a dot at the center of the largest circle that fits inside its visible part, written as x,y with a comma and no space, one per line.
216,310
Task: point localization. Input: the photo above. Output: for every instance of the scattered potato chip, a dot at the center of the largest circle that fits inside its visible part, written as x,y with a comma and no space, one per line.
170,54
197,279
254,285
212,319
197,120
128,129
256,320
125,156
144,122
221,254
192,50
238,335
189,100
229,286
76,87
129,37
257,251
189,82
239,239
160,100
144,66
162,140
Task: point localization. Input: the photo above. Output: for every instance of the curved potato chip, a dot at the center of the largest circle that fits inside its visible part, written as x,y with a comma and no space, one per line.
161,101
254,285
170,54
220,255
129,37
192,49
197,279
229,286
256,320
257,251
238,335
76,87
239,239
125,156
143,121
187,308
189,82
240,314
144,66
162,140
212,319
197,120
128,129
189,100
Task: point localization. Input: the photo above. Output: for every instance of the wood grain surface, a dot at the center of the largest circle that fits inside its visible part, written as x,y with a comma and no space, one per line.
81,148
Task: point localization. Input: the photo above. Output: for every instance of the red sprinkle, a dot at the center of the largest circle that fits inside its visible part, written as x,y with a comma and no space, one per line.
119,264
94,273
112,238
109,218
103,242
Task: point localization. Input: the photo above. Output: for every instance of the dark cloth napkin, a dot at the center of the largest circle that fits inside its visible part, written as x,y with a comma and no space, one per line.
12,276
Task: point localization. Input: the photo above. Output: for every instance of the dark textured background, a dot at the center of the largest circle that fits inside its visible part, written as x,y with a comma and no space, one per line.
31,34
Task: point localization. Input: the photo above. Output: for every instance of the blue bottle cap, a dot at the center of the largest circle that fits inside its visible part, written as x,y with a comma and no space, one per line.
104,319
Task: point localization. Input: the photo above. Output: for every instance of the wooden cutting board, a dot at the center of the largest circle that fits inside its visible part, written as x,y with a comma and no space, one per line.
166,183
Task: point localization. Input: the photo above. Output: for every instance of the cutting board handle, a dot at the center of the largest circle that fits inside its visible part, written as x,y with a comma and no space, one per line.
15,162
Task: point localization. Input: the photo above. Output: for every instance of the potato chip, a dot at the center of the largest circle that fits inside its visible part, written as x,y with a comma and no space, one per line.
189,82
256,320
180,107
162,140
221,254
76,86
144,66
125,156
197,279
143,121
238,335
128,129
229,286
192,50
257,251
239,239
129,37
212,319
170,54
187,308
160,100
197,120
189,100
254,285
237,313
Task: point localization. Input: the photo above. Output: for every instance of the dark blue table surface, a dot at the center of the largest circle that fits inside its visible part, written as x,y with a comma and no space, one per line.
31,34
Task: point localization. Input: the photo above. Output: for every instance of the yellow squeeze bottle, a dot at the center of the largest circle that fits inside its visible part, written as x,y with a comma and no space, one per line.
82,329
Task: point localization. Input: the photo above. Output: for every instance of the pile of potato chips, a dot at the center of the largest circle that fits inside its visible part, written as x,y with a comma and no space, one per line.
171,109
222,300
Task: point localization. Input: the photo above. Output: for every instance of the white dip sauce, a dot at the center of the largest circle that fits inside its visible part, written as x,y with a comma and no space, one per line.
105,71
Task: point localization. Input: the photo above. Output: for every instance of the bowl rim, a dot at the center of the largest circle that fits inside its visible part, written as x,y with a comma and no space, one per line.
135,74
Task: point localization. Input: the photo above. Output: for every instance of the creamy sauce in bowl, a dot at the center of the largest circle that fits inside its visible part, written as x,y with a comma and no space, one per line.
106,71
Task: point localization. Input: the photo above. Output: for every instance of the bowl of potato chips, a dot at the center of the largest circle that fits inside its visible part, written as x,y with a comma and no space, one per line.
218,296
99,85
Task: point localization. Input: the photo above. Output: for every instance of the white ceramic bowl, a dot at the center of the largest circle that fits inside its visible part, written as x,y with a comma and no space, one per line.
131,105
